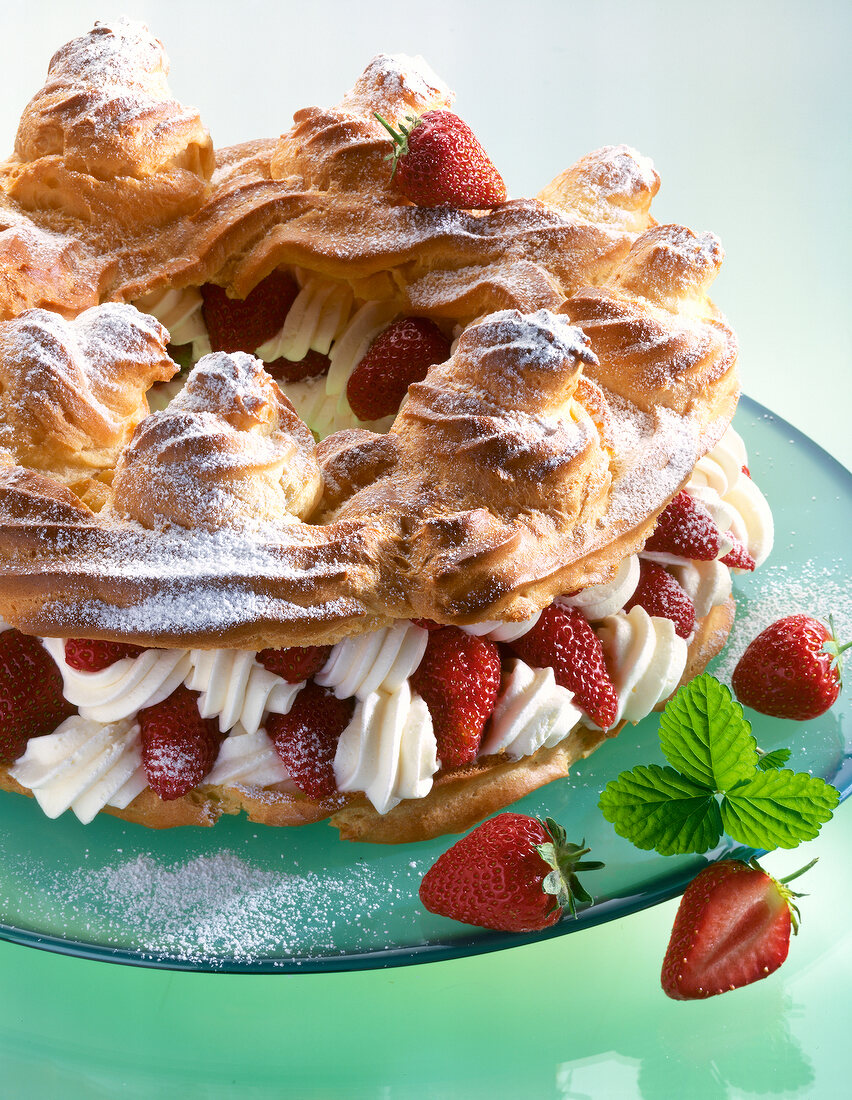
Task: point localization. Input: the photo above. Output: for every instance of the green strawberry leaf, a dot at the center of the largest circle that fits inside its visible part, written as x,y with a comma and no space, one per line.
703,734
778,809
656,807
767,761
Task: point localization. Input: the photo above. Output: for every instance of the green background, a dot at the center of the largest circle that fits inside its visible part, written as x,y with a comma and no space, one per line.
744,108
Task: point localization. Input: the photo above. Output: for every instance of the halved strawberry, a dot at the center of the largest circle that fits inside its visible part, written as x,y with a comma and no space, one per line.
732,928
294,663
306,738
94,655
285,370
243,324
563,640
398,357
459,678
660,594
738,556
31,700
179,747
687,529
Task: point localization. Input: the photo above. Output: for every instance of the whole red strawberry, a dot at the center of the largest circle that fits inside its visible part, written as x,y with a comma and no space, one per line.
437,161
179,747
732,928
459,678
790,670
687,529
660,594
564,641
294,663
306,738
399,356
243,324
31,700
513,873
94,655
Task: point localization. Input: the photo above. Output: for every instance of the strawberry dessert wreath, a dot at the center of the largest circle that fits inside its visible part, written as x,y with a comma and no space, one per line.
334,483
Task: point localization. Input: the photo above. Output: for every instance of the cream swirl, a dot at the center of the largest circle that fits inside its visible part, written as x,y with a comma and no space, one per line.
325,413
599,600
317,317
498,631
181,313
645,659
532,711
379,661
388,750
235,688
248,760
84,765
126,686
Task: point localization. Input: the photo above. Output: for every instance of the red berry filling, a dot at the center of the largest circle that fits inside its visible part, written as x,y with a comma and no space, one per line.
294,663
94,655
306,738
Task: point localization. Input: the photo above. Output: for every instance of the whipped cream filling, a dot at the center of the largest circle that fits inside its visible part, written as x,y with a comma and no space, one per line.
645,659
249,759
497,631
317,317
379,661
124,688
600,600
180,312
83,765
388,750
707,583
532,711
236,689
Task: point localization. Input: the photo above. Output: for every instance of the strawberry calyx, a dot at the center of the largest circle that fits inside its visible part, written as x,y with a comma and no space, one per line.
400,138
784,891
566,860
835,650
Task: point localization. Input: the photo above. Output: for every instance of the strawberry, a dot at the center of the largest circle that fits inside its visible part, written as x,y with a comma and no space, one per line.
306,738
400,355
513,873
459,678
294,663
31,701
563,640
738,556
687,529
179,747
243,324
93,655
285,370
791,669
660,594
437,161
427,624
732,928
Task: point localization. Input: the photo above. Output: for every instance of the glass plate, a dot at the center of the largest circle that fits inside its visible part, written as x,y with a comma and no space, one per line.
243,898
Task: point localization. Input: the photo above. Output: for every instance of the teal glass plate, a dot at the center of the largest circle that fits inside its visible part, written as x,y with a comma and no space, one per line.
244,898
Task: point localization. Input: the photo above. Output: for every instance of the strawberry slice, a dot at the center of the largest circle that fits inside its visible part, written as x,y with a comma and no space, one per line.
513,873
398,357
179,747
732,928
294,663
306,738
243,324
94,655
687,529
660,594
31,700
738,556
459,678
563,640
437,161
